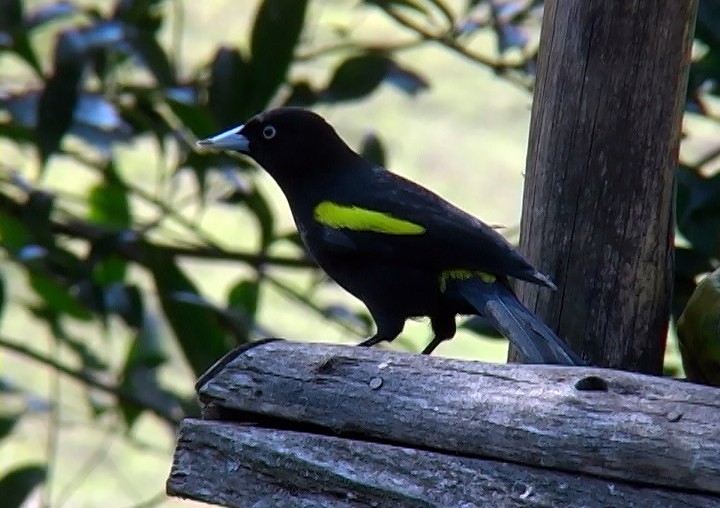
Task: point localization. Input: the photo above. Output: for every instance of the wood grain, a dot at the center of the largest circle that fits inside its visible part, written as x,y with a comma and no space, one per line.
240,466
611,424
599,191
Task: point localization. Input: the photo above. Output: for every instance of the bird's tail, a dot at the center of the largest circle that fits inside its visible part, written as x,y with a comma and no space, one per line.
496,302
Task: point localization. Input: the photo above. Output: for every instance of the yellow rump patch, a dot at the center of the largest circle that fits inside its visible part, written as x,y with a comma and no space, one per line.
449,275
355,218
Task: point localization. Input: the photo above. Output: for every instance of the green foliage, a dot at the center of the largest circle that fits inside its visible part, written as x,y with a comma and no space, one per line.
17,485
114,254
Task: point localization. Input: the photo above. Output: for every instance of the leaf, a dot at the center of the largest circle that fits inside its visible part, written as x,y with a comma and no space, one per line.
140,373
2,296
698,210
108,204
148,49
199,336
11,15
406,80
7,424
138,12
302,95
689,263
229,88
12,27
57,297
13,233
61,93
372,149
193,116
276,32
36,214
18,484
245,295
356,77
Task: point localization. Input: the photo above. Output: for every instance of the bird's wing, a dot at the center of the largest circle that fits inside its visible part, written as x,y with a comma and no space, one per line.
399,221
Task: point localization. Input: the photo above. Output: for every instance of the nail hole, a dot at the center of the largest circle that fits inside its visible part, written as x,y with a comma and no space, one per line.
592,384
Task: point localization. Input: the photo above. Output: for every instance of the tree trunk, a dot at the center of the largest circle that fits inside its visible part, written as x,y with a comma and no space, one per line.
599,192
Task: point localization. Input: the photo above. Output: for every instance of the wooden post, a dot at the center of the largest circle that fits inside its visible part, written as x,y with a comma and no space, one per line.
599,190
289,424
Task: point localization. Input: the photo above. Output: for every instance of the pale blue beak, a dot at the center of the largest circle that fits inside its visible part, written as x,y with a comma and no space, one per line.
229,140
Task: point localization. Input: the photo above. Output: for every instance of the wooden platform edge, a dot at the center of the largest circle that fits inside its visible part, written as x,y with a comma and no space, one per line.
236,465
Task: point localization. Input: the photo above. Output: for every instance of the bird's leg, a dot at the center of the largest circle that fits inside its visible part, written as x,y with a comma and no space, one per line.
375,339
443,327
387,329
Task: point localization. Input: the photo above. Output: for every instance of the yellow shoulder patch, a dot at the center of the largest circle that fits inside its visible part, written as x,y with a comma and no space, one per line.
355,218
460,274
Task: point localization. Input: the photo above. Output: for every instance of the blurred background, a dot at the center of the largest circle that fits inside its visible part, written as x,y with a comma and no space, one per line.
130,262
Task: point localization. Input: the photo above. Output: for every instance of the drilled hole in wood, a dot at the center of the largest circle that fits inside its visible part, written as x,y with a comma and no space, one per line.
592,384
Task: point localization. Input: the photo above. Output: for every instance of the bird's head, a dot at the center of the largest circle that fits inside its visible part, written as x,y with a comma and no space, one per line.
291,144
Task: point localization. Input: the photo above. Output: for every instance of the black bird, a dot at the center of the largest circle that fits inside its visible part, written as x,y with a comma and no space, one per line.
401,249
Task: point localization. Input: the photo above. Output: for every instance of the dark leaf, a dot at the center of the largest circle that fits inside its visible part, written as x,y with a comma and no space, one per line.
61,93
302,95
142,13
229,88
244,295
276,32
14,33
18,484
408,81
140,373
36,214
373,150
698,210
108,203
193,116
127,301
154,57
510,36
11,15
58,297
707,27
22,107
199,336
13,233
689,263
7,424
357,77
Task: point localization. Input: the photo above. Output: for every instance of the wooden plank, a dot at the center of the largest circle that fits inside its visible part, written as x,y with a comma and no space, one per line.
239,466
612,424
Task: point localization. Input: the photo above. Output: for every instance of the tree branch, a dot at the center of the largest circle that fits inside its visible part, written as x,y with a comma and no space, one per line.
123,395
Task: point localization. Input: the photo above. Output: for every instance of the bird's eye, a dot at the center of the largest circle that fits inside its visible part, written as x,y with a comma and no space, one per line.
269,132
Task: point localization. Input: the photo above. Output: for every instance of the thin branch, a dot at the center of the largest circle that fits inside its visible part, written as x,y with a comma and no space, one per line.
168,211
123,395
449,42
132,249
53,430
357,47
